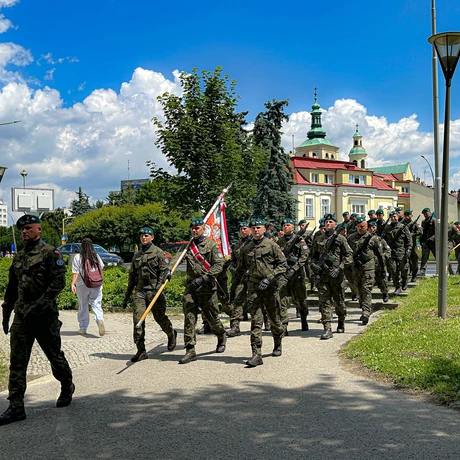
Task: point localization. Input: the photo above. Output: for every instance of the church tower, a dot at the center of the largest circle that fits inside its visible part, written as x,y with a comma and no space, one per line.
358,153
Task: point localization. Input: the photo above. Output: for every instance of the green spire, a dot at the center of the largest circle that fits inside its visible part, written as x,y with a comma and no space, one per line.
316,131
357,148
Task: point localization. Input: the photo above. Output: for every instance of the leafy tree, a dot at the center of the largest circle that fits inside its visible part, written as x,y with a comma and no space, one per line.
125,196
98,204
80,205
54,219
274,200
203,138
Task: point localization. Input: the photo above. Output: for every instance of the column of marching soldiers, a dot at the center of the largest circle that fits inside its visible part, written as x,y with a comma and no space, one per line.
270,273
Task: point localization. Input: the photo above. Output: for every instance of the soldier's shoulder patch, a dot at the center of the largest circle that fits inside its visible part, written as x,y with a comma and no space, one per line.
59,262
304,246
166,260
220,255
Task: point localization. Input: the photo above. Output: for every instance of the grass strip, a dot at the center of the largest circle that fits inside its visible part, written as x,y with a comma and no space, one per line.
414,348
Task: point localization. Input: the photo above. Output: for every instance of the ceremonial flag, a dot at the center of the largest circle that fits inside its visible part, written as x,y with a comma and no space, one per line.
216,228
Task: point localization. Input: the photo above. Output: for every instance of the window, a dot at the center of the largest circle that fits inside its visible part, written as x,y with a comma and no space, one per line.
314,155
404,189
325,208
309,208
359,209
327,155
328,179
314,177
357,180
332,157
363,164
356,142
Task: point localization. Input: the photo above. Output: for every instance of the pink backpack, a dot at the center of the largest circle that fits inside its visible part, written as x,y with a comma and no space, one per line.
93,276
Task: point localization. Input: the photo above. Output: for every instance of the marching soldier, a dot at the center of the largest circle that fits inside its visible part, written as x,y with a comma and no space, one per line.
380,221
204,263
329,255
238,290
365,248
399,239
400,212
453,238
371,215
352,224
428,239
149,270
346,218
293,286
380,268
416,231
265,264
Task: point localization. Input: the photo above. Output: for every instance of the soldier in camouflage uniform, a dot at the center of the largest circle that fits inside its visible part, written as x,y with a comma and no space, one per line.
293,285
380,267
265,264
365,248
416,231
204,263
329,255
346,218
371,215
36,277
428,239
400,212
238,290
400,241
453,238
149,270
380,221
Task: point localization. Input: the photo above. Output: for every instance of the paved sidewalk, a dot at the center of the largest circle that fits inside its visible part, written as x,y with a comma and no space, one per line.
301,405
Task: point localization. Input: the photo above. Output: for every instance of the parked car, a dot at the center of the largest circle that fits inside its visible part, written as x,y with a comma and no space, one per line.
109,258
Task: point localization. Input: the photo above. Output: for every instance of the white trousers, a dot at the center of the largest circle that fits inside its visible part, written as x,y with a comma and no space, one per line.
89,297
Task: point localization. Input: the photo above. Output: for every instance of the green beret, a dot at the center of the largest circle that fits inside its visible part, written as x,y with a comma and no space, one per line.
303,221
345,213
457,222
257,222
379,211
407,212
146,231
426,210
360,219
321,222
354,215
330,217
196,222
244,223
279,228
398,209
372,211
342,226
372,223
287,221
27,219
393,213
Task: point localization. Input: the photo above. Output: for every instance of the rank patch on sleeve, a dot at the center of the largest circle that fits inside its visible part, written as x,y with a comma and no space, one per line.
59,262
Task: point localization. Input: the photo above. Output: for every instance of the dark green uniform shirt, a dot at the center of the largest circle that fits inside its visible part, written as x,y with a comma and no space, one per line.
400,241
365,256
296,254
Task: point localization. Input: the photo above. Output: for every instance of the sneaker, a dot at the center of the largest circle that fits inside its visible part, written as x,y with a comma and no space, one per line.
101,327
65,398
82,331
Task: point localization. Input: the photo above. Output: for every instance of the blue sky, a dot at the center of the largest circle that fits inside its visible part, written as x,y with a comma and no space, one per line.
91,71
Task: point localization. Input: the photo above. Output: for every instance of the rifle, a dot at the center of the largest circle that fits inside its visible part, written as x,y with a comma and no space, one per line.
179,260
397,236
414,223
309,240
330,241
359,253
385,224
296,239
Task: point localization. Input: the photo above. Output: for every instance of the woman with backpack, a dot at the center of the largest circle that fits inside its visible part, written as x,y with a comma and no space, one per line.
87,285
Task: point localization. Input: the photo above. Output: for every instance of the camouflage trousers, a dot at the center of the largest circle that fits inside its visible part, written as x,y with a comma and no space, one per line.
364,279
427,247
206,302
294,290
380,279
240,302
141,301
330,292
413,263
45,328
268,299
399,270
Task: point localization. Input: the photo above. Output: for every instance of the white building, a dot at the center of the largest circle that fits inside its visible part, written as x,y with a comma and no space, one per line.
3,214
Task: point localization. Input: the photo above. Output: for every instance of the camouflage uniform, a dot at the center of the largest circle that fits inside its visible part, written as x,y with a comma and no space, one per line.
380,226
205,297
364,266
263,259
294,287
400,243
416,231
36,277
351,227
380,267
428,241
330,290
145,278
453,238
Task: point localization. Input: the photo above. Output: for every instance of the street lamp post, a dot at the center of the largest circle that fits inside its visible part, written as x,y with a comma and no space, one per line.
431,169
12,229
24,175
63,228
447,47
2,172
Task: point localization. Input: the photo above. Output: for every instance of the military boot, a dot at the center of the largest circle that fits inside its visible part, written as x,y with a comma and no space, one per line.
221,341
364,319
385,297
139,356
234,331
404,284
413,279
286,332
327,334
423,272
398,291
303,321
245,314
267,324
206,329
13,414
65,398
256,360
172,341
297,313
341,326
190,356
277,351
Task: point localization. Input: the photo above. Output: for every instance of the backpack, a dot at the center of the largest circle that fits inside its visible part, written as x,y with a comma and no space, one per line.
93,276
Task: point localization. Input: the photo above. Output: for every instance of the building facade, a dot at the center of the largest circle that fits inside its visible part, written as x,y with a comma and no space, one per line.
3,214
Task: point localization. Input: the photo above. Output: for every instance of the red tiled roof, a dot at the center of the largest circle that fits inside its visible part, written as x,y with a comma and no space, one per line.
318,163
380,184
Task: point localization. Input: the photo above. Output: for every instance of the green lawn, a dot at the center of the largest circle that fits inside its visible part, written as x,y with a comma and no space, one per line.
412,347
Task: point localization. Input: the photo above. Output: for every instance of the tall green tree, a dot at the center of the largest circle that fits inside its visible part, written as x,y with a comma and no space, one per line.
203,138
274,199
80,205
54,219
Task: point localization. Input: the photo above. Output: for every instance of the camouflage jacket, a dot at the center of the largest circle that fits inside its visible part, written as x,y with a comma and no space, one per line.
296,254
237,249
415,230
36,277
365,257
262,260
399,242
453,236
380,226
351,227
429,229
147,267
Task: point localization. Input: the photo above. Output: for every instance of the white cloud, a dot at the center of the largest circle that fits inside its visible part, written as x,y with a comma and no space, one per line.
48,57
49,75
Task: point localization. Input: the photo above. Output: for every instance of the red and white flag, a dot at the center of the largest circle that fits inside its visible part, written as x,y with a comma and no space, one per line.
216,228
